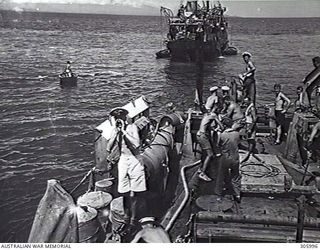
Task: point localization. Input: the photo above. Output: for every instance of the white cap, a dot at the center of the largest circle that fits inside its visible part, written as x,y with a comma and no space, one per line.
246,53
147,219
214,88
225,88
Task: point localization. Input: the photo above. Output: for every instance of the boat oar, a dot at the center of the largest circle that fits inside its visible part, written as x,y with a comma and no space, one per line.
83,179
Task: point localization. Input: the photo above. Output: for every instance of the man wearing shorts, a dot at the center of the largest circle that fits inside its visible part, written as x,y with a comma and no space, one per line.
131,173
282,104
207,142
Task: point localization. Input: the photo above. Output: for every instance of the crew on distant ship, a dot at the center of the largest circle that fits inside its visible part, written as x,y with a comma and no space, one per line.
248,79
200,32
282,104
131,174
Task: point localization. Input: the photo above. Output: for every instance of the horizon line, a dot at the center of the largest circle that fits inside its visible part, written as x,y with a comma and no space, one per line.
146,15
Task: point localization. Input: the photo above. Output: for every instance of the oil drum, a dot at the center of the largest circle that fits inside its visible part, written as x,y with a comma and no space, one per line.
105,185
100,201
88,225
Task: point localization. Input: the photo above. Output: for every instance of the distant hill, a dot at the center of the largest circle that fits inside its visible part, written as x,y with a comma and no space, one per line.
114,9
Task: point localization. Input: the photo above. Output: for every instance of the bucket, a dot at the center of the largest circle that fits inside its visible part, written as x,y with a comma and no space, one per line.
117,215
104,185
88,225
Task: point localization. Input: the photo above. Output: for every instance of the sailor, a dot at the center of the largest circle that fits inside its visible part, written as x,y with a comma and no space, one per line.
247,77
232,111
250,120
207,143
299,104
313,144
213,99
228,168
151,232
131,172
225,91
282,104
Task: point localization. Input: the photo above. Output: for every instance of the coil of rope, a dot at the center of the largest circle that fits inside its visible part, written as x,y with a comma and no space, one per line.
269,171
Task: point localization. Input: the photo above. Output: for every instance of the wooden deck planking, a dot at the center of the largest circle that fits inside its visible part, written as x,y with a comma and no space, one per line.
267,184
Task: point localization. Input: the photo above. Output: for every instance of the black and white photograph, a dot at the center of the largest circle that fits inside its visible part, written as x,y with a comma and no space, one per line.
170,121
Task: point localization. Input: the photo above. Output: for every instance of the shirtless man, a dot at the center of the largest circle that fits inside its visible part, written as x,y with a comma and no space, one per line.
251,120
282,104
247,77
207,142
232,111
151,233
131,174
213,99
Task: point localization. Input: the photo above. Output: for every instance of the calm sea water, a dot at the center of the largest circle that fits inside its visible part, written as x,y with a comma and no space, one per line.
47,132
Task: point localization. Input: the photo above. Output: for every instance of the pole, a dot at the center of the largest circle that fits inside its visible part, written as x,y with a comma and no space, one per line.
301,215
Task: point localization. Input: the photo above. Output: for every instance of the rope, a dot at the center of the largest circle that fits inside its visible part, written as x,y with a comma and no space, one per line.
270,171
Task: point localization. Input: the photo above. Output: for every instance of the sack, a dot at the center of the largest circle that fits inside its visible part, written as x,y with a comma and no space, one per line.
115,151
114,155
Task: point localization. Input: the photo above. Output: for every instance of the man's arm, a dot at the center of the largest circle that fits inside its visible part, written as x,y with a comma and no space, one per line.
137,237
314,132
254,114
114,135
287,100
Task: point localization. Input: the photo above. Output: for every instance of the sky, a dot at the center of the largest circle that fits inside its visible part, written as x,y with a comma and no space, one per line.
249,8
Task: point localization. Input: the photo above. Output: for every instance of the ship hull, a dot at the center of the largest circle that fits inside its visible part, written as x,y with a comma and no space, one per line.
191,50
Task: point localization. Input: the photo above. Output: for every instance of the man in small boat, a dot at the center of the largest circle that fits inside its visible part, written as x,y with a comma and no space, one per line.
282,104
67,70
131,172
249,82
251,121
213,99
232,111
228,169
207,142
151,232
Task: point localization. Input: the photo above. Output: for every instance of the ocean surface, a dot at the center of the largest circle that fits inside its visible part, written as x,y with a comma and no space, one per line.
48,133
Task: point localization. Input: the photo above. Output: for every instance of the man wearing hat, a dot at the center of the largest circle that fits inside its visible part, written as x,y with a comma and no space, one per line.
247,77
131,174
151,232
225,91
212,100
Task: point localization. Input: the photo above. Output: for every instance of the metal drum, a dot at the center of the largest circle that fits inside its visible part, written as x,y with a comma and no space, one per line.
88,225
105,185
117,215
98,200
